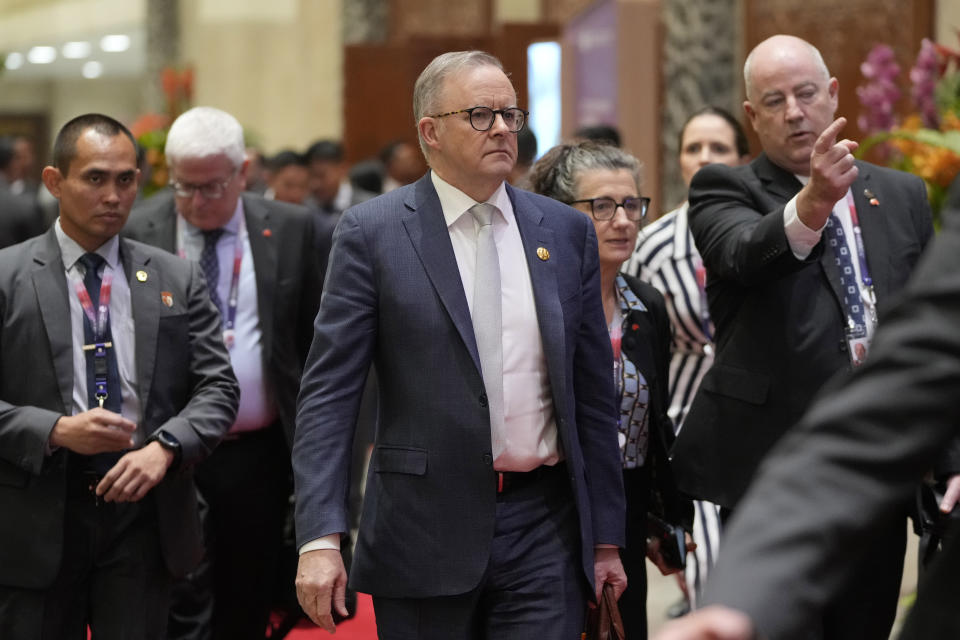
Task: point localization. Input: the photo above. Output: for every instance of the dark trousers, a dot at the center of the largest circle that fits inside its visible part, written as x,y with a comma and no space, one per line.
633,602
246,484
533,587
112,577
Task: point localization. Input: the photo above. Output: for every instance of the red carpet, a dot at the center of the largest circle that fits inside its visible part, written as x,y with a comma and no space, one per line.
360,627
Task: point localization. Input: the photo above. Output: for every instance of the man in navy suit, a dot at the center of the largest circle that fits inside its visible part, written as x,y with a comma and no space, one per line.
494,501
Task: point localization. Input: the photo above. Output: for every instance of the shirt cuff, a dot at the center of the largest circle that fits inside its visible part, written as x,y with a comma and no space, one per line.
605,546
331,541
801,238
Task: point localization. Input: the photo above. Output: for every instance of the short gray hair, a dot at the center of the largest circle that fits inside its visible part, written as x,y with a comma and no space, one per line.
814,53
202,132
430,82
557,173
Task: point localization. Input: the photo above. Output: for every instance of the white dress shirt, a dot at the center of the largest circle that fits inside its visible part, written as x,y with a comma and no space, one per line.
257,408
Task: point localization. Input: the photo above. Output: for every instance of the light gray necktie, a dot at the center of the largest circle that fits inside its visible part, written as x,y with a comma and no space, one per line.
487,319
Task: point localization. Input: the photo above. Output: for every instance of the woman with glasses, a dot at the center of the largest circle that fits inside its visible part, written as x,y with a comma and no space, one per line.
603,182
667,258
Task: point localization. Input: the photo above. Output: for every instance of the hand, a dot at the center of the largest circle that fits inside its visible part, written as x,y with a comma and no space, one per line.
654,555
94,431
951,495
135,474
710,623
608,569
321,579
832,171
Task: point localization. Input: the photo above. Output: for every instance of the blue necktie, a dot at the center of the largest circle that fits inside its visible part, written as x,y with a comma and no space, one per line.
210,264
92,264
852,303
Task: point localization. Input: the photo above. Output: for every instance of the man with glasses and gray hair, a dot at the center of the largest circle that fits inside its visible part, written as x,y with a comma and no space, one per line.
494,505
264,274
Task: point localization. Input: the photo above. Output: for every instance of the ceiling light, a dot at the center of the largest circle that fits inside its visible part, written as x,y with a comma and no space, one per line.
74,50
115,43
92,69
14,60
42,55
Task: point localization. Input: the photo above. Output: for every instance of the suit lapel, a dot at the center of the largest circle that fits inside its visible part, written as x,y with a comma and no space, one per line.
265,265
145,309
50,284
161,228
543,277
428,232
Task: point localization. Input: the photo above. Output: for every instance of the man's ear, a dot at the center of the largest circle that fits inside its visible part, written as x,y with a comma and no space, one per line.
751,114
242,172
428,131
52,178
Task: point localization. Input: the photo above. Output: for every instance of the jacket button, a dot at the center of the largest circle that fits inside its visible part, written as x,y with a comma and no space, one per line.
483,400
487,459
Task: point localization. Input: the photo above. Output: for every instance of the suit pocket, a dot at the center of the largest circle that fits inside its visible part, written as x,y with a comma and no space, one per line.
11,476
400,460
737,383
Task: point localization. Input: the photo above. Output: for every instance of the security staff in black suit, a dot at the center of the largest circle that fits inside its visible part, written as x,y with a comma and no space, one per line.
798,536
114,384
804,248
261,262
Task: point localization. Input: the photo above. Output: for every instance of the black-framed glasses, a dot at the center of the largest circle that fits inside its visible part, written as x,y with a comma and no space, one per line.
606,208
482,118
210,191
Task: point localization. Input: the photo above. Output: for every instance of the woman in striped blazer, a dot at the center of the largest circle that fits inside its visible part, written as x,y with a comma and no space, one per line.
666,257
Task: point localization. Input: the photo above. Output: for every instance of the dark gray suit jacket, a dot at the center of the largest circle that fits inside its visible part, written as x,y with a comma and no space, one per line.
20,218
779,321
289,273
185,382
799,533
393,297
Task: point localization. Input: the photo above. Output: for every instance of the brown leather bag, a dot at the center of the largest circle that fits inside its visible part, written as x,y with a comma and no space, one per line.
603,621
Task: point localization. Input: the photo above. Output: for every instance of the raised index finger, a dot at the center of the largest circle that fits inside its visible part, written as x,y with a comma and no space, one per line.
829,136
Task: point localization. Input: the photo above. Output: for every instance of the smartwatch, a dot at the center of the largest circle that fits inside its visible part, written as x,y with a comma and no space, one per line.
169,443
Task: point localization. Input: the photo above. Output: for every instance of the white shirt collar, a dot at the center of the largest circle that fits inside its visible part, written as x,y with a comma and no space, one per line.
455,202
70,251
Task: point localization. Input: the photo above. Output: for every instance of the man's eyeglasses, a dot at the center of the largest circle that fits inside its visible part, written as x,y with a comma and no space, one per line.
482,118
606,208
209,191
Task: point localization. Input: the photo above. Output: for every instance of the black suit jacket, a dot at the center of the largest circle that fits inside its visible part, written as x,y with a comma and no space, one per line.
184,378
289,276
646,343
779,321
799,533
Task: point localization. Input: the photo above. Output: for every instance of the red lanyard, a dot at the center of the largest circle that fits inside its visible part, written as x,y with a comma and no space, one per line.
98,325
861,252
230,319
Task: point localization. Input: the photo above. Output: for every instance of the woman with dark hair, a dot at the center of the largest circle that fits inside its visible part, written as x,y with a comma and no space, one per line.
603,182
666,257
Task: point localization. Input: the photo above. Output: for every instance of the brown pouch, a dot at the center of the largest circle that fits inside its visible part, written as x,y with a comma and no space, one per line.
603,621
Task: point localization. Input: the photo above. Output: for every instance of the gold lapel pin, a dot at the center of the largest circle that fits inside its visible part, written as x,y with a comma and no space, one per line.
142,276
167,298
543,254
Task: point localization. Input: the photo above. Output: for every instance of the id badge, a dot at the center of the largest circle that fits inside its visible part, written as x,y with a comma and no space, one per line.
857,347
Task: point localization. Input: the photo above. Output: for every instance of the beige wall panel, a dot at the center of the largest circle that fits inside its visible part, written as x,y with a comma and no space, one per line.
283,81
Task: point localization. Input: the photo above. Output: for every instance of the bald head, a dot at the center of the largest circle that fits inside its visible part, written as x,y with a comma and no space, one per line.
776,50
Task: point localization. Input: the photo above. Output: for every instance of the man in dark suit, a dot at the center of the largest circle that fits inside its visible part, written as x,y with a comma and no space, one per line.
798,535
331,192
260,260
804,248
20,217
97,445
494,503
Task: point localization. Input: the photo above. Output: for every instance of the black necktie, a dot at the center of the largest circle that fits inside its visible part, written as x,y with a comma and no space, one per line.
210,264
108,365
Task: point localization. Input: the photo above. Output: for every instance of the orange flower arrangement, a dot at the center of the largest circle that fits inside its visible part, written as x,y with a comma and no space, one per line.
927,141
150,129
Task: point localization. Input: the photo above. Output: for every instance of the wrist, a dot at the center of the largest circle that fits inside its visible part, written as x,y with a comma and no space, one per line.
169,445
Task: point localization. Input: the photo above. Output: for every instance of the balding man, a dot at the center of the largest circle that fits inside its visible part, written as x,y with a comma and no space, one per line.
494,503
804,249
